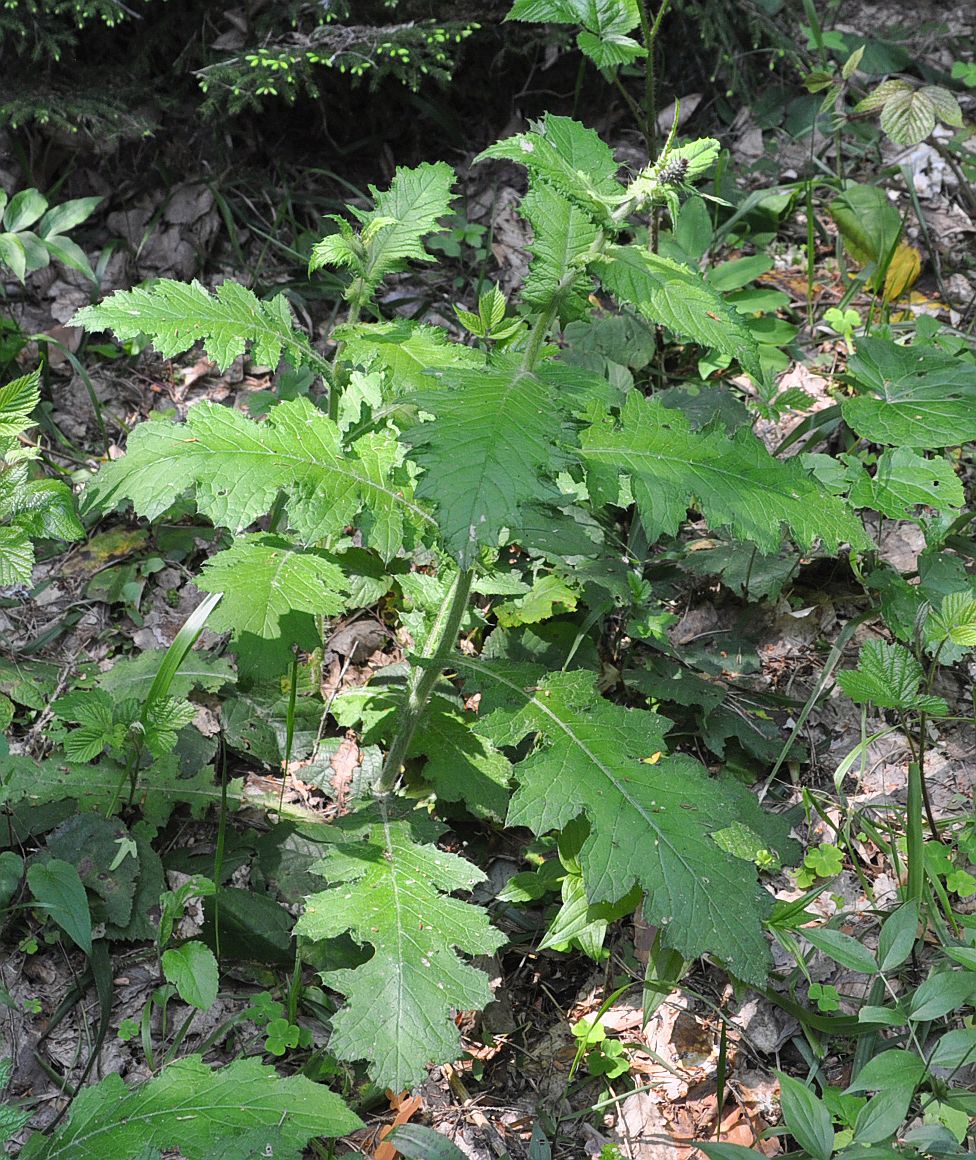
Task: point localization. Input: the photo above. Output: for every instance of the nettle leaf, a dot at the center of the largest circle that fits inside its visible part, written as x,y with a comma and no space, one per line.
190,1107
904,480
491,450
177,315
236,468
563,236
390,887
735,482
393,231
911,396
406,351
888,676
650,825
670,294
573,159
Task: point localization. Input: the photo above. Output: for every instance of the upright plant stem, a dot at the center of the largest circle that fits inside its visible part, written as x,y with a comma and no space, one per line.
436,650
443,632
914,841
649,31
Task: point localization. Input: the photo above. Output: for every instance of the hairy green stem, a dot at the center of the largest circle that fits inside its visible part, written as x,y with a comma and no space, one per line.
650,31
914,841
437,648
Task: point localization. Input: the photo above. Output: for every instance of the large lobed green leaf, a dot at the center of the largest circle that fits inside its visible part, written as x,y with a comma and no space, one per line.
195,1109
492,449
672,295
562,236
407,351
236,468
572,159
390,886
177,315
650,824
734,482
393,231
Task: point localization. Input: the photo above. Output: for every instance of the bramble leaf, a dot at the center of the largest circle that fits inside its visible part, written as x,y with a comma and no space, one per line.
192,1108
649,824
734,481
888,676
390,887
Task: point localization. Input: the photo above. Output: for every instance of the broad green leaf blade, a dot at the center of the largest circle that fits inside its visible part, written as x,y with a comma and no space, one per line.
58,890
650,825
177,315
563,235
264,578
904,480
869,224
954,620
70,254
16,556
24,209
888,676
911,396
908,116
393,231
807,1118
415,1142
406,351
236,468
843,949
492,449
734,482
461,765
670,294
64,217
14,255
17,399
193,971
569,157
897,936
390,887
192,1107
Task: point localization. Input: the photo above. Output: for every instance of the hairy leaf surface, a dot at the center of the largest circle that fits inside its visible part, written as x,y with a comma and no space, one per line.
191,1107
670,294
563,235
390,887
177,315
236,468
407,351
569,157
493,448
734,482
393,231
649,824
